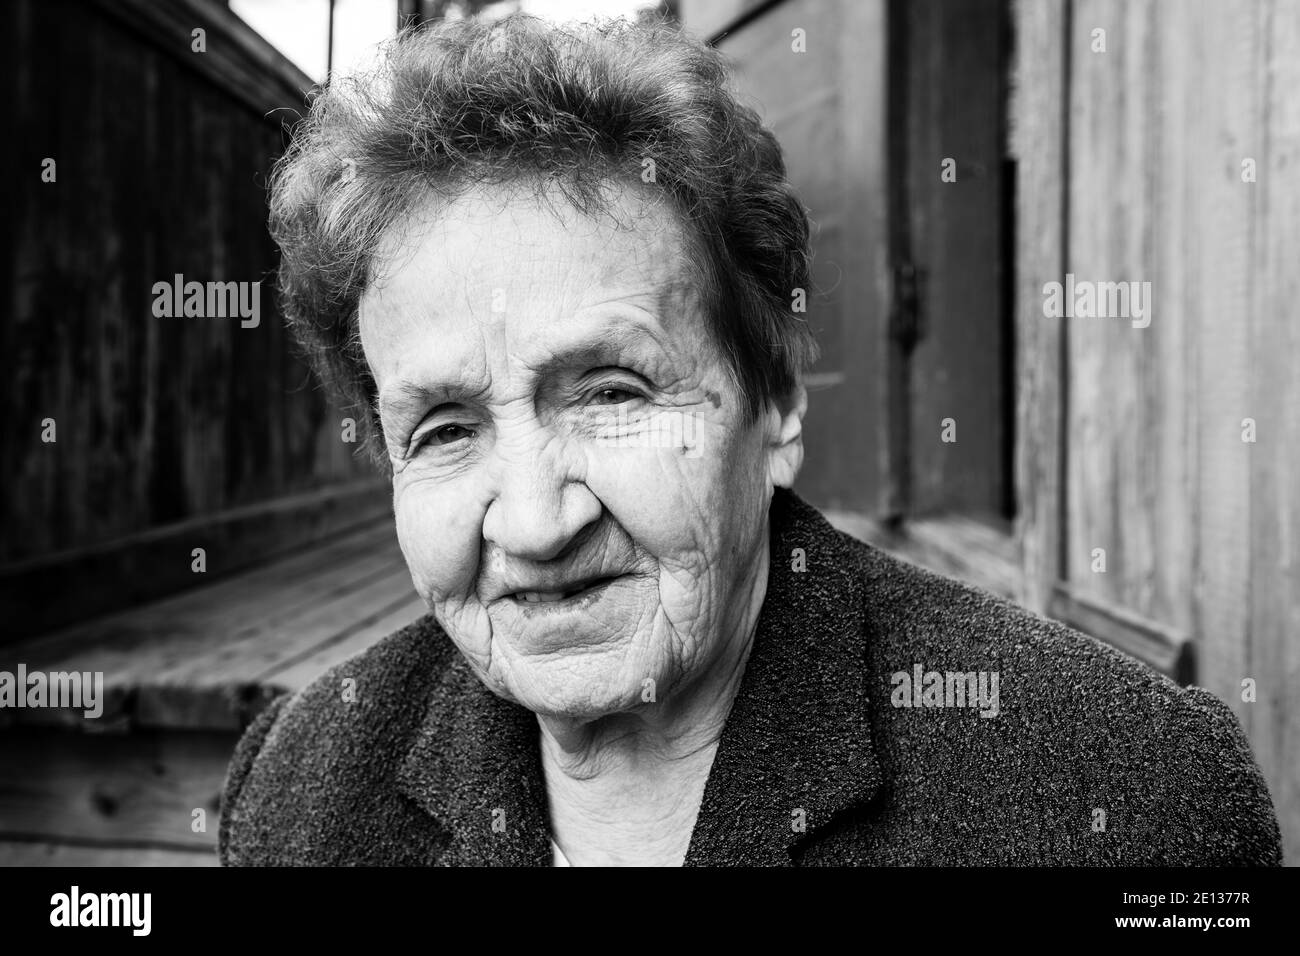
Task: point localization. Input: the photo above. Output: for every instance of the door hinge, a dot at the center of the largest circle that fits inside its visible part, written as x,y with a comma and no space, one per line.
905,310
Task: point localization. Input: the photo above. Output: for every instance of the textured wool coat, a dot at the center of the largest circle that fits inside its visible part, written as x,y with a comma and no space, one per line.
828,755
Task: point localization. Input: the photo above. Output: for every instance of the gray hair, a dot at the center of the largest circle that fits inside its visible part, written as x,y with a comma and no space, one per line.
466,103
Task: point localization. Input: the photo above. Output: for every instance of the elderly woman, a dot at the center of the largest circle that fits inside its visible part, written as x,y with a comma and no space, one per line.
554,268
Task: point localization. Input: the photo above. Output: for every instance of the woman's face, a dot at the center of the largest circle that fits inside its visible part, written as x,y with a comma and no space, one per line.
577,493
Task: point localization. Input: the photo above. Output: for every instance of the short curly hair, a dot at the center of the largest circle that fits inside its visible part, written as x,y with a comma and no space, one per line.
459,104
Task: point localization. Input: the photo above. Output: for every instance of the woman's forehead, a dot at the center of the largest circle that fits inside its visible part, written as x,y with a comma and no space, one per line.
497,259
492,233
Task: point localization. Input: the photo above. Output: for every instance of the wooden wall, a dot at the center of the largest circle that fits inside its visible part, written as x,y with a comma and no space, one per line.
1199,528
162,156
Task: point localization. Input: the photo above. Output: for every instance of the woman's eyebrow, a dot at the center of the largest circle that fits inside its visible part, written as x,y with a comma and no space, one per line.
403,399
610,345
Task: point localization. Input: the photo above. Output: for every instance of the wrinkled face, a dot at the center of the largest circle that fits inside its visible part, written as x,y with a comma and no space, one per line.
577,493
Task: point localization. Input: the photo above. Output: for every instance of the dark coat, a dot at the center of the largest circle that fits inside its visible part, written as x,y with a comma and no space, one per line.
1092,758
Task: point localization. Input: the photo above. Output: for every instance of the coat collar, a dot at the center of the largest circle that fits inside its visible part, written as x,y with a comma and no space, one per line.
796,750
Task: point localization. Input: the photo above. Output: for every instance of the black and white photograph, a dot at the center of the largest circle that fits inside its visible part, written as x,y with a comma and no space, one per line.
705,433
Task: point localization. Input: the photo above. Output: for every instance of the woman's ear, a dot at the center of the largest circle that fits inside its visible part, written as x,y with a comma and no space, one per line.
785,437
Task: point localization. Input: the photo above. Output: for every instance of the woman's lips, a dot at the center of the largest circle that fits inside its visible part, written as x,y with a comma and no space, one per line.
536,597
604,611
569,598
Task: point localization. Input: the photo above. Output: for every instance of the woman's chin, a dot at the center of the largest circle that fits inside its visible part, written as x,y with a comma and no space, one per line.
584,695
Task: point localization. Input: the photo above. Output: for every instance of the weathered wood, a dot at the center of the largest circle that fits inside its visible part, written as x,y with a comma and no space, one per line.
1167,374
1106,216
238,59
308,593
1038,130
222,687
1223,124
1199,526
864,294
158,561
1135,170
143,787
159,420
1273,646
294,674
235,601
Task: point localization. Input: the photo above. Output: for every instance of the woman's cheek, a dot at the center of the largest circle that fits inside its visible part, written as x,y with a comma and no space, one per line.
659,496
439,528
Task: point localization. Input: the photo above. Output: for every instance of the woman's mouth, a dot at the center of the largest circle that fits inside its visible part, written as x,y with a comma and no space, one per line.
579,592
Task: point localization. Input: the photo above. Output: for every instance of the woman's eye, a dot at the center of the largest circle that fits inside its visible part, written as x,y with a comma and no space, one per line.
449,434
612,395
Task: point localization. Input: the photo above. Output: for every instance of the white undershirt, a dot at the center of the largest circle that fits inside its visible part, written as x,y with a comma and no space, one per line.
557,856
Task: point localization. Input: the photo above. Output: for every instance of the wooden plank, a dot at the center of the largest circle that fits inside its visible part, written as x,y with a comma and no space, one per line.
29,853
294,674
1272,656
1222,125
212,604
1168,419
149,679
1038,131
150,640
224,686
864,296
1145,478
1103,384
1130,475
143,787
145,566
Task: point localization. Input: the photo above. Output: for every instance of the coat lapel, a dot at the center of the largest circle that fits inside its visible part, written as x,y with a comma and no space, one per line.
795,752
475,765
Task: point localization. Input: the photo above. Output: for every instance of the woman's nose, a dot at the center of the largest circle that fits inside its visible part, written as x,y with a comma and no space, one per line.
541,502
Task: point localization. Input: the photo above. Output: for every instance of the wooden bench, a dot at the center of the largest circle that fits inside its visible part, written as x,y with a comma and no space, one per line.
182,678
